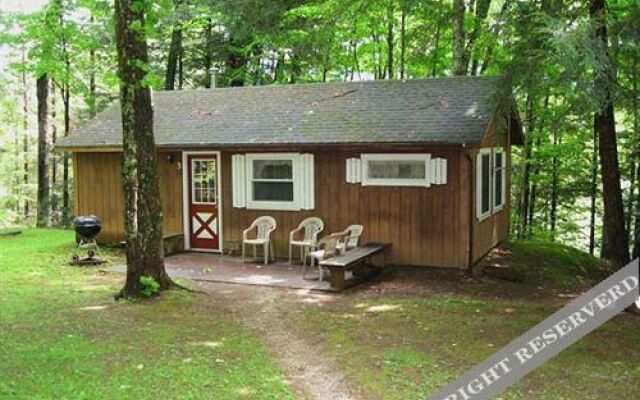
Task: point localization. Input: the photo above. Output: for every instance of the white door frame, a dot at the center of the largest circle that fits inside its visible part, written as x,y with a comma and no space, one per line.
185,200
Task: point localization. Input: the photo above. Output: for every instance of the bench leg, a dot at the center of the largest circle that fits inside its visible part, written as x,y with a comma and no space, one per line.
337,277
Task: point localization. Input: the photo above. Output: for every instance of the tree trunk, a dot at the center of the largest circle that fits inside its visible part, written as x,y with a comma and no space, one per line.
66,198
534,170
25,136
555,165
236,61
523,206
172,60
208,45
634,152
482,10
403,41
459,57
636,230
436,44
42,95
175,51
54,167
615,248
636,156
143,210
390,39
92,78
66,100
495,31
594,195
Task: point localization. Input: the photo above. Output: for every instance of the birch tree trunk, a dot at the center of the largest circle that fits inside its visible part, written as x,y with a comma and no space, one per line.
42,95
615,246
143,210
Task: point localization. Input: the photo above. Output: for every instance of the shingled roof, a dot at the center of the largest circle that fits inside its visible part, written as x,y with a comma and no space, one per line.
438,110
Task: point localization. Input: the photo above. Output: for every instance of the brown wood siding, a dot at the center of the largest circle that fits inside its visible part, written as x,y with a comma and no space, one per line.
495,228
425,225
98,190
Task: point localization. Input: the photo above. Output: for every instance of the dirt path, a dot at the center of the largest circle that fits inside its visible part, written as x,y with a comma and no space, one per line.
264,310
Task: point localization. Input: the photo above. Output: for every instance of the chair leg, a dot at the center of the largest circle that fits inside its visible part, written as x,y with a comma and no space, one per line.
320,273
306,254
266,253
243,246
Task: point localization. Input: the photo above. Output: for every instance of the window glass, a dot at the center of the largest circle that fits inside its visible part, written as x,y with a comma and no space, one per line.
273,180
272,169
393,169
486,171
273,191
498,179
204,181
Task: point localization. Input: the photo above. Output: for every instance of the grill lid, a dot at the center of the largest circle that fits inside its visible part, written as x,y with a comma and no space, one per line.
87,220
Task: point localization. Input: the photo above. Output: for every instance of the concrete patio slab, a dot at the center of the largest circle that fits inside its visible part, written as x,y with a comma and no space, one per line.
228,269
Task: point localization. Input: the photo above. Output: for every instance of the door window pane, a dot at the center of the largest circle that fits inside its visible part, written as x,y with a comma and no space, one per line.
204,181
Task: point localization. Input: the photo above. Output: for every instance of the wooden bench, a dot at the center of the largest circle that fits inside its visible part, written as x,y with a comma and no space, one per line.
349,261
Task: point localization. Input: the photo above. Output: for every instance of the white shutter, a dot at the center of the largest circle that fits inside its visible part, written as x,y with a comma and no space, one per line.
307,182
438,171
353,170
238,181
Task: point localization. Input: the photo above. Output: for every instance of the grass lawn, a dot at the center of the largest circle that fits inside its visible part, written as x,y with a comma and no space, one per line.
405,347
63,337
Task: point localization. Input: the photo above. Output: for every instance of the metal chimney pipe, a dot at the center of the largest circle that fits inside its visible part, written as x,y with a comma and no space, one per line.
214,77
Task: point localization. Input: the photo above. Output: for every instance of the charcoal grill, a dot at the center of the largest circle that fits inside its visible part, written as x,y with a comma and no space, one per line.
87,229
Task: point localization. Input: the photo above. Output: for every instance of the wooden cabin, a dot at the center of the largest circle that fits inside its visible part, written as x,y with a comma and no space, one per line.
422,164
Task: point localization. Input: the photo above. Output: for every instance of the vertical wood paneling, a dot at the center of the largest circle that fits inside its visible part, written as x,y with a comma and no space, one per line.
422,223
427,226
98,186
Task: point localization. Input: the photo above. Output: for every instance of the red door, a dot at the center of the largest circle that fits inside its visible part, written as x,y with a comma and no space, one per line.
204,221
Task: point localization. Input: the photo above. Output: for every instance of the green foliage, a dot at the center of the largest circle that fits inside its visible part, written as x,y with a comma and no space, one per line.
150,287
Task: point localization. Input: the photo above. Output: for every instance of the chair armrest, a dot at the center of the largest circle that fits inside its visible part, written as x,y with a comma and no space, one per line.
293,233
345,232
245,233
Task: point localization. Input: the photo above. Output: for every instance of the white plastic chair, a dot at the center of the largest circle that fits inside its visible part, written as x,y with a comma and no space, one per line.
353,233
310,227
264,226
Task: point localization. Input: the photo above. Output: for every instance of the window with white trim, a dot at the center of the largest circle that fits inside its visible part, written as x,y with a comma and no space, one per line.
396,169
483,184
273,181
490,181
499,186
